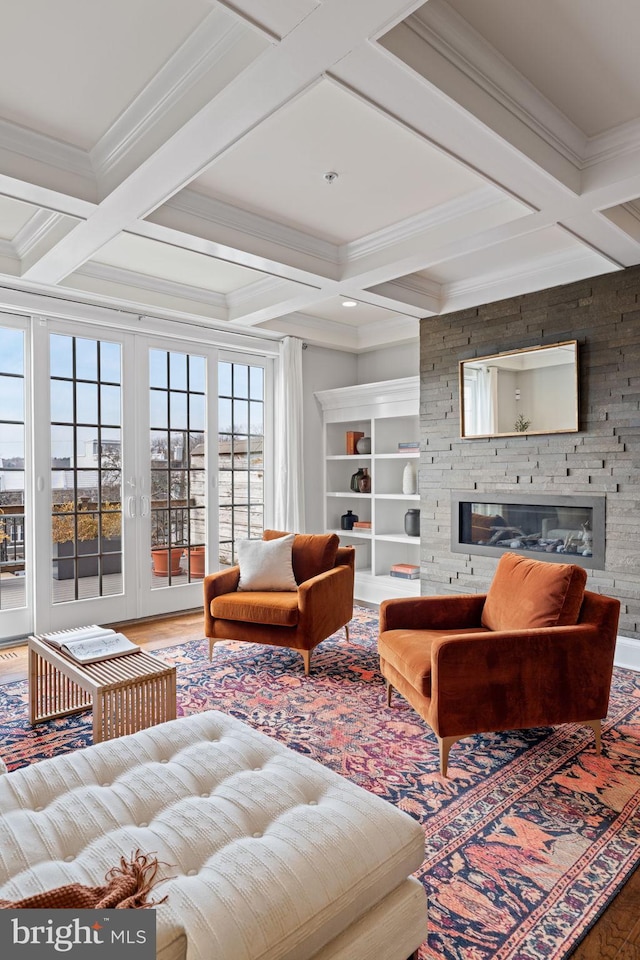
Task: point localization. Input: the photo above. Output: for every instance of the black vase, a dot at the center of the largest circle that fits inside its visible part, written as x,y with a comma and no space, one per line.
347,520
412,522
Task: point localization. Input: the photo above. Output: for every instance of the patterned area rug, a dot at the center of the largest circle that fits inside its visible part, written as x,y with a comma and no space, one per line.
526,844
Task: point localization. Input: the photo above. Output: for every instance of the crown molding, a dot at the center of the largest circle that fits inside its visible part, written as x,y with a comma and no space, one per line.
480,199
541,269
264,287
253,224
613,143
382,333
158,285
214,38
385,391
413,291
46,150
35,230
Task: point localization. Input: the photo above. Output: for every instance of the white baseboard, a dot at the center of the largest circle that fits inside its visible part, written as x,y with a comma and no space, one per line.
627,653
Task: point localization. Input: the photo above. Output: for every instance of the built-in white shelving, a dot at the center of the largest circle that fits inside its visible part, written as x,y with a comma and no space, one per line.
388,413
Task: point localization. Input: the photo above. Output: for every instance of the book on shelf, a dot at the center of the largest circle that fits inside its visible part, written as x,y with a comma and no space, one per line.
90,644
408,445
352,437
362,525
405,568
405,576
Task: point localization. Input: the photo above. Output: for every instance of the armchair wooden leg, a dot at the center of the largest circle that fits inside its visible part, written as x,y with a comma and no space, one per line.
346,630
306,656
212,640
445,744
596,726
389,692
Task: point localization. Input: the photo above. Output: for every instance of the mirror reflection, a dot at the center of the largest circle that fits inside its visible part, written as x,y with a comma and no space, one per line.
523,392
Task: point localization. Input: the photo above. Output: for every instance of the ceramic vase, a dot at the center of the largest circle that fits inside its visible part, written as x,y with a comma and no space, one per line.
412,522
364,483
347,520
410,478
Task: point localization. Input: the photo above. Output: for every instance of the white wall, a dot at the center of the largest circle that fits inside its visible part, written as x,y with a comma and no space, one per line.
389,363
322,369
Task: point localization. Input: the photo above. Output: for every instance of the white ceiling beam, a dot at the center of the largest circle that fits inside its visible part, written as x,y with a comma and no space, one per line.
280,73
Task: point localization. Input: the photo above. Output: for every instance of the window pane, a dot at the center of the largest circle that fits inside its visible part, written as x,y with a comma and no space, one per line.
11,442
11,351
256,383
224,379
61,356
61,446
158,408
157,368
197,374
256,412
62,401
240,416
12,398
109,404
87,402
86,359
178,371
110,365
196,412
178,410
240,380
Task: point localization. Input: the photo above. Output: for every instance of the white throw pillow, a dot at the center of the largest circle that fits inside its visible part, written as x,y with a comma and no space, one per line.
266,564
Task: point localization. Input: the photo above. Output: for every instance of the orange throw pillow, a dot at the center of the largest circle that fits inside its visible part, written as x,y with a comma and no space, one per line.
527,593
313,553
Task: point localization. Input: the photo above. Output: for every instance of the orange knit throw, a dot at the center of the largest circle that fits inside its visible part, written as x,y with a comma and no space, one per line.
126,887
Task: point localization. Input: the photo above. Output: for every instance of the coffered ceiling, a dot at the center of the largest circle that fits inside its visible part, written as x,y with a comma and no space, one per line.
172,158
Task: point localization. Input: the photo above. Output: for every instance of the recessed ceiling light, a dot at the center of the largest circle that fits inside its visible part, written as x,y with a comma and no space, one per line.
349,303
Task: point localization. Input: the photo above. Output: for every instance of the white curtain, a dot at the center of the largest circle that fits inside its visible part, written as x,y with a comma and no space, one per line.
486,400
289,461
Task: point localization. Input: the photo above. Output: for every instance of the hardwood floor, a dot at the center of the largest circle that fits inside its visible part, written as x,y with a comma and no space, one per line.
616,936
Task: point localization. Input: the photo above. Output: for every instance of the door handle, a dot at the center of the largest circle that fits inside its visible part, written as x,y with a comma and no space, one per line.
145,506
131,507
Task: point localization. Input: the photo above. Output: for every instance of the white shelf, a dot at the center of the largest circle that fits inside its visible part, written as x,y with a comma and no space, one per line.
385,412
398,538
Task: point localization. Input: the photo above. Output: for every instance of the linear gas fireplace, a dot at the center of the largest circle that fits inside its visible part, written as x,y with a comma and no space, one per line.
567,529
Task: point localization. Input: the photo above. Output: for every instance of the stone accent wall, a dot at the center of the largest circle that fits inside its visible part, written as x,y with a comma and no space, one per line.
603,315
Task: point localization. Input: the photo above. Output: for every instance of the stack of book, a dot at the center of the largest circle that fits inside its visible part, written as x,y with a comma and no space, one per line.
408,446
362,525
406,571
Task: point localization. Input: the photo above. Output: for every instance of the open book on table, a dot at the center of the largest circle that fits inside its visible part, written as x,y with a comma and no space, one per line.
90,644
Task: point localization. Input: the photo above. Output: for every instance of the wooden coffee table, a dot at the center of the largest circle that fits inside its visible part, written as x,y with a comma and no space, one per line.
125,693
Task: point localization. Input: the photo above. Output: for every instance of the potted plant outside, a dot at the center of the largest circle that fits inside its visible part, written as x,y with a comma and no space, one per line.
196,562
84,535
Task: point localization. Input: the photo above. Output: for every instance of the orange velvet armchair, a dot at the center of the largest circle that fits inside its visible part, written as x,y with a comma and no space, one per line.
300,619
536,650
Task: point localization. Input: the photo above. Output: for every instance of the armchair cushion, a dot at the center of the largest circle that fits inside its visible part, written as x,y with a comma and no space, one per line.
312,554
526,594
270,608
266,565
409,652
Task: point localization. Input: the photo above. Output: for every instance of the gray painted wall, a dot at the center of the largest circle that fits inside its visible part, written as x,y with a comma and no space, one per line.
603,314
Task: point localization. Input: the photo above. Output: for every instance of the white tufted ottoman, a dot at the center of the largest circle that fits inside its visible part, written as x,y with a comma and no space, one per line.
271,855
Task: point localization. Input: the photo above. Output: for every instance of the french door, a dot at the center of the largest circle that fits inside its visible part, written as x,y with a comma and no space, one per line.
124,512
